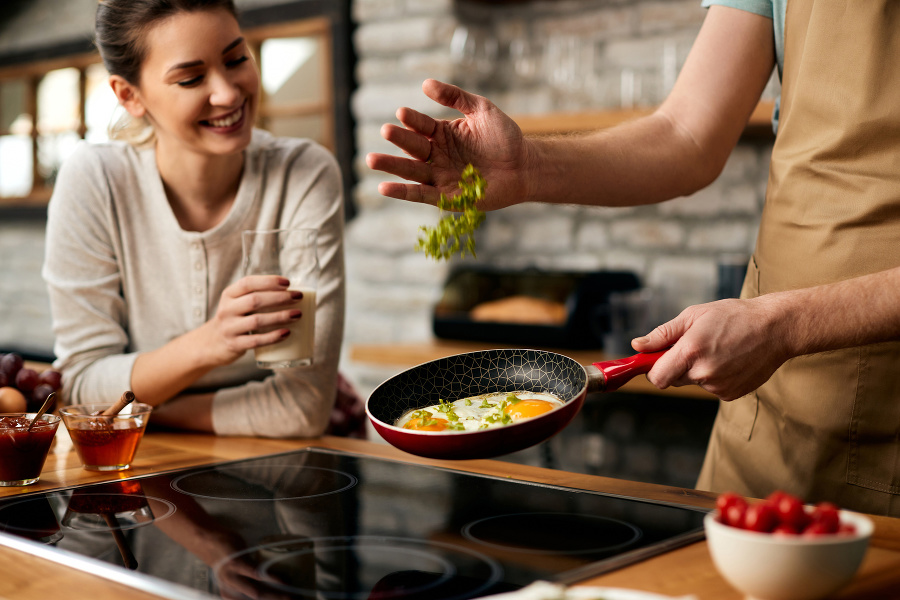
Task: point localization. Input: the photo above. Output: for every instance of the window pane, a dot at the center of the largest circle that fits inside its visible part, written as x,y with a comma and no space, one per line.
15,165
313,127
12,103
58,121
292,70
58,102
100,104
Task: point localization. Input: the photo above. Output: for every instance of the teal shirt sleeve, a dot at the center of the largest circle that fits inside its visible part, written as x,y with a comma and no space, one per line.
758,7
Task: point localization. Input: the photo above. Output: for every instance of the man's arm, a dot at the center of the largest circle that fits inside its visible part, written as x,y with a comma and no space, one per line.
677,150
731,347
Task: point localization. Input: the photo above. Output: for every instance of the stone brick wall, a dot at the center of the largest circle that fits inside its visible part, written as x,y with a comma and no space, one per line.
674,247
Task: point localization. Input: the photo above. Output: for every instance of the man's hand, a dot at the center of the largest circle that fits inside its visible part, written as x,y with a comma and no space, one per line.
439,150
728,347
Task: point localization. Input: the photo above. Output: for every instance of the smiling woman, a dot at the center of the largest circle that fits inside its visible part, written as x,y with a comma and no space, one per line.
143,253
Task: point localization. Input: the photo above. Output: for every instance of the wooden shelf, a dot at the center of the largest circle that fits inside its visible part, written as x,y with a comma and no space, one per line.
758,126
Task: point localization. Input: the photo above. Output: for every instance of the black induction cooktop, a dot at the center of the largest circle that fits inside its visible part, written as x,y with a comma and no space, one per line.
323,524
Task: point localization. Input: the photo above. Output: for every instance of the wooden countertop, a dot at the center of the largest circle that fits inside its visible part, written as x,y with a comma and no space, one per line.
687,570
403,356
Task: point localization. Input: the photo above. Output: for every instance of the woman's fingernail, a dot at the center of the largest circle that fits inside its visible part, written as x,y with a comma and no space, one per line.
296,314
284,281
296,295
285,333
640,340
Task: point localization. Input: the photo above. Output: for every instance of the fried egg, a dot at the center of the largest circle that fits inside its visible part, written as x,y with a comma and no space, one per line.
479,412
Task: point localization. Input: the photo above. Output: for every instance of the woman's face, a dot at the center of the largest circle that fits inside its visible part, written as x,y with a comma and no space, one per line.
199,85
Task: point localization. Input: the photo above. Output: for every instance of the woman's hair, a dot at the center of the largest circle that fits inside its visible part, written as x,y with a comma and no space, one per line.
120,36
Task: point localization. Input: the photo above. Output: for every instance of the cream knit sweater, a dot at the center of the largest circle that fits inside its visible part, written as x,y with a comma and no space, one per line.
124,278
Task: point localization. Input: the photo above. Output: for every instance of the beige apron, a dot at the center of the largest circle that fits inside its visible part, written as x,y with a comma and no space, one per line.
826,426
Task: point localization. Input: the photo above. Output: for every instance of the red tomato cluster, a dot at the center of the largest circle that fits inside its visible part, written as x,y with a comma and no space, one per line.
782,514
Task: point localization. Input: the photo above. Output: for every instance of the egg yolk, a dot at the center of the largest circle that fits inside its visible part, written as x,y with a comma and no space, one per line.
426,424
527,409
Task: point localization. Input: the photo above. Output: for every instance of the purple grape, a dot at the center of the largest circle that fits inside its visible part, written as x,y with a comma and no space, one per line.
27,380
11,364
40,394
51,378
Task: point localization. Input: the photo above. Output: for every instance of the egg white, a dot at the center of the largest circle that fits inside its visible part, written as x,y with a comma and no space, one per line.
478,412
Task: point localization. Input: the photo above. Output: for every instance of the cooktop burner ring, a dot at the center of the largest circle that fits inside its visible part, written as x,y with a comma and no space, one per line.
630,533
411,547
350,481
102,520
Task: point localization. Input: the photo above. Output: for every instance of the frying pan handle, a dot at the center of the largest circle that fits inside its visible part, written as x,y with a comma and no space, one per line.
617,373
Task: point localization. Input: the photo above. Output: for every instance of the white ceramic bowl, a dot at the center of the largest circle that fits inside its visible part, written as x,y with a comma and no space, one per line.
780,567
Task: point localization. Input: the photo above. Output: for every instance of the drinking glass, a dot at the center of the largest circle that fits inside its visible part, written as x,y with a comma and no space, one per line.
291,253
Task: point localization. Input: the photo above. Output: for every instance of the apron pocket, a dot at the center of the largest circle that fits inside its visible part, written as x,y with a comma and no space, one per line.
874,459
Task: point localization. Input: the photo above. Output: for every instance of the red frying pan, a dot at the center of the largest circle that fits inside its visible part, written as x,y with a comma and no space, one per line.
490,371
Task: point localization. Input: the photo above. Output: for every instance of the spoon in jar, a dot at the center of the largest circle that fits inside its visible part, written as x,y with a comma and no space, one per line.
47,403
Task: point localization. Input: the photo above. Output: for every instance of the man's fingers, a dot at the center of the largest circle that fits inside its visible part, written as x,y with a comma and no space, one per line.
670,369
450,96
405,168
424,194
416,121
414,144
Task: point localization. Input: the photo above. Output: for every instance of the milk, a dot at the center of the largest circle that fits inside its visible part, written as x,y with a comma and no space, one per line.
296,350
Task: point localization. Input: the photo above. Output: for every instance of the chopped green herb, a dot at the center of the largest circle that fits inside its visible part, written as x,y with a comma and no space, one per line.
455,229
468,401
513,399
485,404
443,406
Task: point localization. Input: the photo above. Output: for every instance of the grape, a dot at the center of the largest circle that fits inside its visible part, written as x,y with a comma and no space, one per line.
27,380
51,378
40,394
11,364
4,379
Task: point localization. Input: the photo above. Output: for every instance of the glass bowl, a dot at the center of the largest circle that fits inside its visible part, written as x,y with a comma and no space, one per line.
23,452
106,443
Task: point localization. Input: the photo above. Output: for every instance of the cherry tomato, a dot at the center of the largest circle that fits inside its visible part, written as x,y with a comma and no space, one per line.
761,517
826,514
734,514
775,497
791,511
817,528
727,499
784,529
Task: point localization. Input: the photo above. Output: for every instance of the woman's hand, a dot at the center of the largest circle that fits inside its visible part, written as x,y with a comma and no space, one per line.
254,311
440,149
728,347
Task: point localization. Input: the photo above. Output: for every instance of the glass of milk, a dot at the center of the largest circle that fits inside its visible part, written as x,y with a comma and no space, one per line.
290,253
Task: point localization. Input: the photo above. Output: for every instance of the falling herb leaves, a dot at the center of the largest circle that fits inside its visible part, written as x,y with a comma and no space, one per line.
455,231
